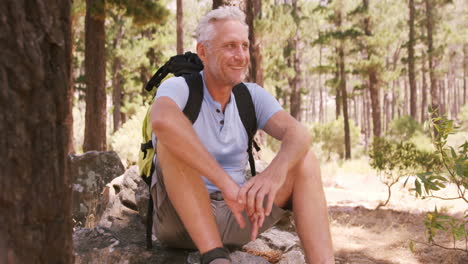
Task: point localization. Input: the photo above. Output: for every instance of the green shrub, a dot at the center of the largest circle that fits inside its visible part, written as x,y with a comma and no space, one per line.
463,116
403,128
453,171
393,160
126,141
330,138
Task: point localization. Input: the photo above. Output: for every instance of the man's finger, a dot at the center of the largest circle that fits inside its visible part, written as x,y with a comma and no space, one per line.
259,202
254,232
239,219
242,195
251,195
271,199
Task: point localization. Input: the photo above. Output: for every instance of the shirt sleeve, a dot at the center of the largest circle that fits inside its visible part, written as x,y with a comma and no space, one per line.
176,89
266,104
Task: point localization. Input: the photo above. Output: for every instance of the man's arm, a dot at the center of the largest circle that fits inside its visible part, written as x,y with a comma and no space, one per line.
176,133
295,141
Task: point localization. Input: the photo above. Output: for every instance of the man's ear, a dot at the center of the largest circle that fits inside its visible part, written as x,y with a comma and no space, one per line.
201,51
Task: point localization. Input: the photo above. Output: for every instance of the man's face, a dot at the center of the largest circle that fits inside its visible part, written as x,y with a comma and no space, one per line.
227,54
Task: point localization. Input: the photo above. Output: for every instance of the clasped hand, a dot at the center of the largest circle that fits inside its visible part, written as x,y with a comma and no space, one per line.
256,197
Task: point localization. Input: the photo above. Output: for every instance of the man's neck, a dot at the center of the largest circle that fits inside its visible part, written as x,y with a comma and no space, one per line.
219,92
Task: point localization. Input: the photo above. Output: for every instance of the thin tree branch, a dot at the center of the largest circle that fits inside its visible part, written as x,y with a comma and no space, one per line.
442,198
437,245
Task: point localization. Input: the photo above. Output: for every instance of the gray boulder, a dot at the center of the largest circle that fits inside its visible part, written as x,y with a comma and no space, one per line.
90,173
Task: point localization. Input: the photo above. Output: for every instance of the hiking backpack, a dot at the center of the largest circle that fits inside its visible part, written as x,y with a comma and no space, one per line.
188,66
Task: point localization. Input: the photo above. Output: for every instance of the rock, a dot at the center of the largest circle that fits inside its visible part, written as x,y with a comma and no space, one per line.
123,198
282,240
239,257
293,257
91,172
120,234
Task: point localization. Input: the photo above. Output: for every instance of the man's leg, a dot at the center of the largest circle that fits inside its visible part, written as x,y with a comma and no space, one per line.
190,199
304,183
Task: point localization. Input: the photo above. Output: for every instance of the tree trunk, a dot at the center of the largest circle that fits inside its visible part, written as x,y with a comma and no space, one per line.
254,10
338,90
180,27
424,89
35,188
345,102
374,90
411,74
430,52
321,112
117,85
465,71
95,68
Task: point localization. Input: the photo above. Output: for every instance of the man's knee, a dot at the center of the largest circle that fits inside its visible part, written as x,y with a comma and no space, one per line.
308,166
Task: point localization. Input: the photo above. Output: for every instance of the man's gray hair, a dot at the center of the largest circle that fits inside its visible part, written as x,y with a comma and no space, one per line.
205,29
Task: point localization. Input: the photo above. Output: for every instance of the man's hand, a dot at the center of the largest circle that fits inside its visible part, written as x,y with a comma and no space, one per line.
252,194
230,197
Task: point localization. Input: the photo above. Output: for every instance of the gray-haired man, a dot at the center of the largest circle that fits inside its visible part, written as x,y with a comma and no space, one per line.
209,157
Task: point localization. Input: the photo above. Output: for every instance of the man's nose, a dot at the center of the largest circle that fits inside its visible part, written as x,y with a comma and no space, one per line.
241,53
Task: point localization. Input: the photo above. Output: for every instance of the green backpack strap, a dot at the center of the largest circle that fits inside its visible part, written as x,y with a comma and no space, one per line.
246,109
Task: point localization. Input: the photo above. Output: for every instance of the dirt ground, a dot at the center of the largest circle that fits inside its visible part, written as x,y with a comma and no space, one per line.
362,234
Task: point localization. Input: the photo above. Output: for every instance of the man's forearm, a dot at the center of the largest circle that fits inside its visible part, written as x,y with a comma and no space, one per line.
176,133
294,146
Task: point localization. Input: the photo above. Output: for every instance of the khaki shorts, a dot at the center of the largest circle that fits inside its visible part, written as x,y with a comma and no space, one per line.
170,230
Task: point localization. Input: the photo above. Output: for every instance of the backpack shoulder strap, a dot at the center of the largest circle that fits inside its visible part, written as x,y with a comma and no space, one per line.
246,109
195,99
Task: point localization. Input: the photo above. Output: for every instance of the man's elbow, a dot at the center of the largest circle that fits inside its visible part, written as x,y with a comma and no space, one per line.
159,124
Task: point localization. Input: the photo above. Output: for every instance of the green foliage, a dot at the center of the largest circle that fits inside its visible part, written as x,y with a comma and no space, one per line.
143,11
330,137
126,141
393,160
453,170
463,117
403,128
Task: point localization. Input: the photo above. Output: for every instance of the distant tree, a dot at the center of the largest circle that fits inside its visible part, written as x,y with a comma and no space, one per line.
429,6
142,13
372,73
296,81
254,11
411,59
95,76
35,185
180,27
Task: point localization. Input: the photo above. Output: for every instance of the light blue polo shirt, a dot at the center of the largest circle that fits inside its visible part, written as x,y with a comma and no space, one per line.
223,134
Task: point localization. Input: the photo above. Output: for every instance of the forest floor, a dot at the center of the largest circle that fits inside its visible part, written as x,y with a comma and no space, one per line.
362,234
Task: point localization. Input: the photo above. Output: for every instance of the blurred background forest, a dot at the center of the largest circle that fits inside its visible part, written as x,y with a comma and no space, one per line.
381,85
349,70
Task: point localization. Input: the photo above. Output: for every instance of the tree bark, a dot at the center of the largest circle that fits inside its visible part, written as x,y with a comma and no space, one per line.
35,192
411,68
372,74
180,27
338,100
95,68
430,52
321,112
465,71
424,89
117,78
254,10
117,85
345,102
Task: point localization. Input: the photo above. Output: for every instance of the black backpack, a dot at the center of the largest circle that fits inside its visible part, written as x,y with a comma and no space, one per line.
188,66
